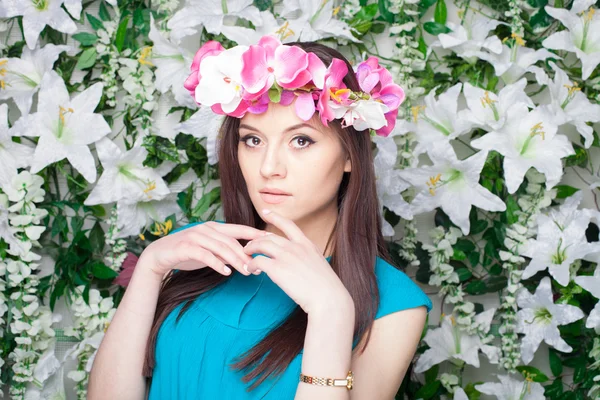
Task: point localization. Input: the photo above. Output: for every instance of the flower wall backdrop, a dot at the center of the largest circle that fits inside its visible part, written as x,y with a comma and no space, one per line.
488,183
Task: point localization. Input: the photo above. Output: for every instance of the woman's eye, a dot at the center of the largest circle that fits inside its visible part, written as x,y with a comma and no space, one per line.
303,142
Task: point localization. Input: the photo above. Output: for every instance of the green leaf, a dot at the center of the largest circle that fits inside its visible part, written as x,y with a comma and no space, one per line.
97,238
441,12
555,363
535,374
564,191
87,59
511,208
384,6
85,38
459,255
478,227
57,292
428,390
101,271
463,274
275,95
554,390
121,33
474,257
206,201
579,159
103,12
496,283
94,22
476,287
465,245
434,28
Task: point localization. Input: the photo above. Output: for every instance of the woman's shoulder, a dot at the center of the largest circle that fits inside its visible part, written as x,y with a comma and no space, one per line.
397,291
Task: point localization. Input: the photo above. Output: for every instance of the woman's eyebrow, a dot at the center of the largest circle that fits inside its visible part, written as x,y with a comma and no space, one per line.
291,128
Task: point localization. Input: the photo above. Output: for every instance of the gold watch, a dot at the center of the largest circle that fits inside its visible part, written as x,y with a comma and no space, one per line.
329,381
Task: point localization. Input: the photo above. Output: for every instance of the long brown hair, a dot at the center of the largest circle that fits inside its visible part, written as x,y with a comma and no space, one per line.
356,241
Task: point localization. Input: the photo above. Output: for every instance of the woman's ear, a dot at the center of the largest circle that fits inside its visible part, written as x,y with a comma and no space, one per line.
348,165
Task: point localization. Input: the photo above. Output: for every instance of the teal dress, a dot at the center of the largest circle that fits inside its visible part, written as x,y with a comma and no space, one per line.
193,356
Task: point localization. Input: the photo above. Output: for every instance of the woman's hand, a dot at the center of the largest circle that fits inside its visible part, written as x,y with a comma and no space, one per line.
297,266
211,244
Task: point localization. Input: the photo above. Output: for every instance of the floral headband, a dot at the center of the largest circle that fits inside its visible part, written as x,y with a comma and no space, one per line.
246,78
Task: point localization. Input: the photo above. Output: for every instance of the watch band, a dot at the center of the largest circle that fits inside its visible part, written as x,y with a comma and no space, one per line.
347,382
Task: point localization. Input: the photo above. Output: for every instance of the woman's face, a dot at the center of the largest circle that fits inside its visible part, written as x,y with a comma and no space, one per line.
278,150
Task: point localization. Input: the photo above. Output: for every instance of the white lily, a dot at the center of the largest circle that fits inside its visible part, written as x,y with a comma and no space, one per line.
12,155
453,185
362,114
569,105
592,285
488,110
311,20
582,35
248,37
468,40
528,139
124,177
539,319
390,184
560,241
36,15
210,14
134,218
204,123
65,126
510,388
20,78
513,63
436,121
222,79
172,66
448,342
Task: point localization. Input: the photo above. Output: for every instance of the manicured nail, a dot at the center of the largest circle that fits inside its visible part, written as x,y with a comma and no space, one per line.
266,211
258,271
227,270
246,268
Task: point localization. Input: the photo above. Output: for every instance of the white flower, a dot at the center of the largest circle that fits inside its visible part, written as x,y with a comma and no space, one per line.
528,139
204,123
560,241
133,218
582,35
20,78
172,66
214,88
12,155
468,40
513,62
362,114
539,319
390,185
450,343
436,121
510,388
453,185
36,15
124,177
248,37
311,20
569,105
592,285
65,126
488,110
210,14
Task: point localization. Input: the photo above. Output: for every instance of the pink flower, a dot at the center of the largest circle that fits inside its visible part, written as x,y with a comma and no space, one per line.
270,61
332,84
210,48
127,270
377,81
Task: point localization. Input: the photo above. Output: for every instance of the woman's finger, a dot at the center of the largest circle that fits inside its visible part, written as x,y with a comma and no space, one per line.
265,246
262,264
286,225
226,251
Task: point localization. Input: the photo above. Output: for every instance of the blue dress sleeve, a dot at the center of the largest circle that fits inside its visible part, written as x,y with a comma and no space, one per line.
397,291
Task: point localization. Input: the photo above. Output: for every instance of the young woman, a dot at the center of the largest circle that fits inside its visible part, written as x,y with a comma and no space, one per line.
275,304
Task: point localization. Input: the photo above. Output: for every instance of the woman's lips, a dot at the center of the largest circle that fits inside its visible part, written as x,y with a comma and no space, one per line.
273,198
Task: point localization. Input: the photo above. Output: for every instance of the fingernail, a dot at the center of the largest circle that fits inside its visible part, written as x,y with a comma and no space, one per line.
269,233
246,268
227,270
258,271
266,211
